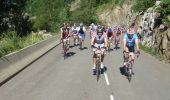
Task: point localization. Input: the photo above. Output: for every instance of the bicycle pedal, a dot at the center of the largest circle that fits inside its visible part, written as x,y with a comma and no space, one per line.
94,72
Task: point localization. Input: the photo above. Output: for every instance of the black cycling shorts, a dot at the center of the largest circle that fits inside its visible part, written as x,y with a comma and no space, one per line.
131,48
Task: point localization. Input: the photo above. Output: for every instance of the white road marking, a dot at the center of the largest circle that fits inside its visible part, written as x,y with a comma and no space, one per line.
111,97
107,80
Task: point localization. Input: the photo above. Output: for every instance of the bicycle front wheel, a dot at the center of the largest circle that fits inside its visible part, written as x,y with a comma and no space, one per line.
98,63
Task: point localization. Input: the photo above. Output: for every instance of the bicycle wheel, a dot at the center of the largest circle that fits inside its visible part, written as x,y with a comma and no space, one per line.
129,72
109,47
116,44
98,69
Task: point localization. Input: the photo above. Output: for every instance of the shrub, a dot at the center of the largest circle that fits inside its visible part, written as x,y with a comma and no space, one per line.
142,5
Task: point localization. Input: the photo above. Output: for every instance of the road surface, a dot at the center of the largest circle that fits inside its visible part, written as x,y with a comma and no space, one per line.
53,78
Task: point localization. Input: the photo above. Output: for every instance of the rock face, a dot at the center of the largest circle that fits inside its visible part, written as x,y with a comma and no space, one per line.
155,35
116,15
148,24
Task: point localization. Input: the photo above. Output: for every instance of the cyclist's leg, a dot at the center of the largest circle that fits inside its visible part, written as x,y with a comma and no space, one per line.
94,61
63,43
126,55
108,45
68,43
80,38
132,50
132,55
83,38
102,57
74,39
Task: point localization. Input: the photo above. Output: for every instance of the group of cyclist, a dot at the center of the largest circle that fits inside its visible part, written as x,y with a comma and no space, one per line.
77,32
100,35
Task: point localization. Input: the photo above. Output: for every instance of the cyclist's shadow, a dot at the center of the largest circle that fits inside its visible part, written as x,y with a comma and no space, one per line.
69,54
84,48
104,69
122,70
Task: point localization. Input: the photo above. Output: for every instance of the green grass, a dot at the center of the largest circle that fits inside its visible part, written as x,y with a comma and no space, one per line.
11,43
152,51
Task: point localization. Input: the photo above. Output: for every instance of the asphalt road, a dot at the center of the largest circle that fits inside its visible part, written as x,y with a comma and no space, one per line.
53,78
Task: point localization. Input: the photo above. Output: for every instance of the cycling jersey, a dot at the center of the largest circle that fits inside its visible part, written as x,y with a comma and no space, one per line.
65,32
130,42
81,32
74,31
99,39
118,33
93,28
109,32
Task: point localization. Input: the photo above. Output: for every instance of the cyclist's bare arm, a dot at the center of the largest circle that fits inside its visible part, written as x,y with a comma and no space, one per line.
92,40
105,42
137,44
124,44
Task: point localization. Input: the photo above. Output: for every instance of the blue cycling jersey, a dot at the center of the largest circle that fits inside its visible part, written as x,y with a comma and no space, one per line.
130,42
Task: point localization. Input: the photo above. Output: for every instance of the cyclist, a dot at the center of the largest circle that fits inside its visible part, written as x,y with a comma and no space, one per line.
99,40
81,32
65,34
130,39
117,36
110,34
105,29
93,30
75,34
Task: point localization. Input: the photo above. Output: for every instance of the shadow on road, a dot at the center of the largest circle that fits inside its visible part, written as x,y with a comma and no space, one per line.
105,68
71,46
69,54
122,70
83,48
116,48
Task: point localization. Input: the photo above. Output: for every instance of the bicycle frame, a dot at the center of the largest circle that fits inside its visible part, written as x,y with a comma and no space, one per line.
128,65
117,39
65,48
75,37
98,53
109,42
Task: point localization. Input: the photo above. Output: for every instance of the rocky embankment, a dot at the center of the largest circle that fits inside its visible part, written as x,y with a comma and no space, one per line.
148,24
155,35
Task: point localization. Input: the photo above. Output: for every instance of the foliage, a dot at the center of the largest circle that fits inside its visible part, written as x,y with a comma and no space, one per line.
142,5
12,17
165,11
153,51
11,42
49,14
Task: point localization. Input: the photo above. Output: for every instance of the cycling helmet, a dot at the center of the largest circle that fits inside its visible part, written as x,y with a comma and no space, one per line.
92,24
99,30
81,24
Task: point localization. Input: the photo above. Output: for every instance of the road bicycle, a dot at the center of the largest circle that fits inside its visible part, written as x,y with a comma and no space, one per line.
98,51
109,44
129,64
116,42
65,47
75,37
